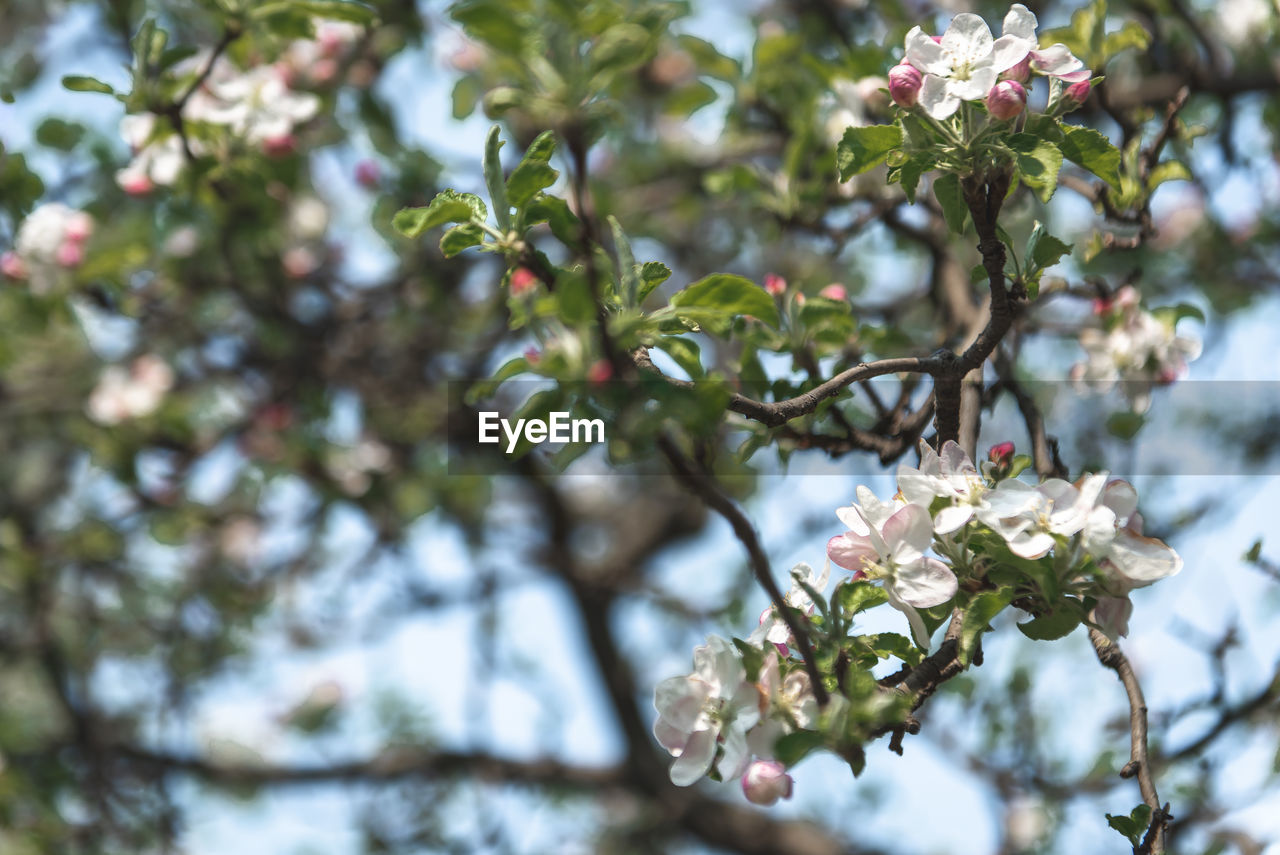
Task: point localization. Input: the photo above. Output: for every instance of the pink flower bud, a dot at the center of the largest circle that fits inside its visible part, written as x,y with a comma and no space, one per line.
1101,305
1001,454
79,227
70,254
1076,94
12,265
800,298
766,781
323,70
834,291
368,174
136,184
1020,72
599,372
1006,99
775,284
904,85
523,281
280,146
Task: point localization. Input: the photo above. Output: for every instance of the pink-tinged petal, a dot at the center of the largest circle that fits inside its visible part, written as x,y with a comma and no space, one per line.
925,583
936,99
1034,545
909,532
926,54
1143,560
679,700
968,39
1008,51
696,758
1020,22
954,459
1112,614
1055,60
1120,497
851,551
1076,77
952,518
670,737
916,487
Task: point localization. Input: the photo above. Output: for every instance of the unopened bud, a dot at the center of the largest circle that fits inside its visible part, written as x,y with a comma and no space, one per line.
766,781
1006,99
1020,72
775,284
280,146
599,372
70,254
1001,454
532,356
523,281
904,85
12,265
1076,94
368,174
834,291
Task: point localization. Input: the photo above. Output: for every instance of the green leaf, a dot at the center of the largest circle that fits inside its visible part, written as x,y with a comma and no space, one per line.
729,295
533,172
492,22
652,274
979,613
447,207
1169,170
573,295
80,83
685,352
1039,162
1089,149
909,175
630,282
946,189
620,48
795,746
887,644
555,212
1043,249
1172,314
467,92
1125,425
494,181
1131,35
1057,624
58,134
484,389
855,597
863,148
461,237
1254,553
334,10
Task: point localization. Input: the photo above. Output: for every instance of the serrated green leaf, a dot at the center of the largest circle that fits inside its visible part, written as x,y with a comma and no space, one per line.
862,148
1043,249
493,179
729,295
652,274
555,212
946,189
1090,150
447,207
795,746
630,282
1038,164
459,238
855,597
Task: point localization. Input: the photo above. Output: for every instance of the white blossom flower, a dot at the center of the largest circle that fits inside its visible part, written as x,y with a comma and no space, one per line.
965,63
1054,61
1029,518
785,704
1114,537
257,105
50,241
130,393
949,475
710,710
772,628
895,552
157,159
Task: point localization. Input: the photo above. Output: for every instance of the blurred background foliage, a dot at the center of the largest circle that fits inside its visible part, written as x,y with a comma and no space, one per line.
265,614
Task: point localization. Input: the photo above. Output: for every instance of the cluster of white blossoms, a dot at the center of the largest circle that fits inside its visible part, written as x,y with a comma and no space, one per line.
258,106
968,64
1134,347
130,393
50,241
717,718
1092,527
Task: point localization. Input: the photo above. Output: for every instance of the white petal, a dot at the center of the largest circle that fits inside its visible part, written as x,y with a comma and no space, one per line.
909,533
952,518
926,54
670,737
1020,22
980,81
1034,545
696,758
967,39
1143,559
1008,51
679,700
925,583
936,99
736,754
918,629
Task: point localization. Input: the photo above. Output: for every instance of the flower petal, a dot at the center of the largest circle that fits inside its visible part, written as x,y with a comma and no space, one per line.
952,518
851,551
936,99
925,583
1143,559
968,40
1020,22
926,54
696,758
